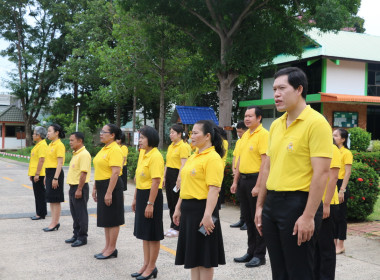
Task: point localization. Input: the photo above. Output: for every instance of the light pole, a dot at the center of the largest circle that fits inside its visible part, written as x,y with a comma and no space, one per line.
78,105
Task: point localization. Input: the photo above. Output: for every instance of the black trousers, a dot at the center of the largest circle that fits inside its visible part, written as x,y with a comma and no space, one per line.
256,244
341,221
78,209
171,196
280,213
325,256
39,196
238,197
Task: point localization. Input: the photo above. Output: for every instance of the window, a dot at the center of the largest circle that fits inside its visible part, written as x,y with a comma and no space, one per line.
11,131
373,79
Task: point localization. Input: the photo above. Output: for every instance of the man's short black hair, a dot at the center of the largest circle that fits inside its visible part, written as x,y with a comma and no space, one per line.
78,135
258,112
241,125
296,78
152,135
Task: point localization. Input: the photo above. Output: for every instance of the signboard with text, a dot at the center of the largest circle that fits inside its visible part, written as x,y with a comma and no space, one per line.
345,119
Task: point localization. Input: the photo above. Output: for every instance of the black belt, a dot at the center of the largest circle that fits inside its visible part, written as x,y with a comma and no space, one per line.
288,193
248,175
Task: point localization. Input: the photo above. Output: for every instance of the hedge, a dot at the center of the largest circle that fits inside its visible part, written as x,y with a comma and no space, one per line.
370,158
363,188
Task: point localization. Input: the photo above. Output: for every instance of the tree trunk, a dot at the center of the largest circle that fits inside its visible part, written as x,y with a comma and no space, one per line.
225,95
118,115
161,120
134,110
75,94
28,133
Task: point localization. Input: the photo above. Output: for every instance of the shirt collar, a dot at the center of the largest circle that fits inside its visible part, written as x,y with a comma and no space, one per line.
77,152
110,145
178,143
304,114
55,142
212,148
152,151
39,143
260,127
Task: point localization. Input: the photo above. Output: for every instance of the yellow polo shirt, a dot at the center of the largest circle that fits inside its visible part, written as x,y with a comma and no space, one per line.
54,151
225,146
38,151
107,157
151,165
335,163
80,162
175,153
200,171
252,146
236,152
291,149
347,158
124,150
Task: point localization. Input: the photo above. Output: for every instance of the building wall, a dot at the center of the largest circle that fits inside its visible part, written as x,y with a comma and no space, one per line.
330,108
268,88
13,143
346,78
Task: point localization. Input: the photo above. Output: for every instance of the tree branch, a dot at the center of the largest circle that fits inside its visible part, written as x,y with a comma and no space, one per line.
200,18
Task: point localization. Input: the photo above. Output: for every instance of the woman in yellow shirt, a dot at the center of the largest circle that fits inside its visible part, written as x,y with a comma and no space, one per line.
175,159
108,189
36,171
341,137
201,180
124,150
55,158
148,201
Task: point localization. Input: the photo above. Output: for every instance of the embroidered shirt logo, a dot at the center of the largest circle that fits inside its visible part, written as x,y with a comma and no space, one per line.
251,148
193,172
290,147
142,174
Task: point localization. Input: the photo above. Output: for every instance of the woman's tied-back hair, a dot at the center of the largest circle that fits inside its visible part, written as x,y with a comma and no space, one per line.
114,129
216,138
57,127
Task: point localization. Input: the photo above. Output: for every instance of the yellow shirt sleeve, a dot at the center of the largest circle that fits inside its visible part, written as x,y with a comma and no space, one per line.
263,143
61,150
156,167
42,151
320,141
214,172
336,159
85,162
183,151
115,158
347,157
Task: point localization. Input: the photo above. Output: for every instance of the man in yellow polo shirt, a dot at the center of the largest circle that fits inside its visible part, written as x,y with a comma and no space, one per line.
78,178
240,130
253,146
293,179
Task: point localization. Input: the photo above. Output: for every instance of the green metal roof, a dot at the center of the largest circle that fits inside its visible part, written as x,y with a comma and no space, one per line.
11,114
344,45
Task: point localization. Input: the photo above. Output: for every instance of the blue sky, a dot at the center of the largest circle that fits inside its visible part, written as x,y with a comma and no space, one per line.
369,10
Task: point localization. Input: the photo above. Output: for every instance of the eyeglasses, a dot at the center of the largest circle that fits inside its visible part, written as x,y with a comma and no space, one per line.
103,132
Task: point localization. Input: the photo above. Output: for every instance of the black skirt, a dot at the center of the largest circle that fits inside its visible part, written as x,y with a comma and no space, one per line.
193,248
113,215
148,229
54,195
124,177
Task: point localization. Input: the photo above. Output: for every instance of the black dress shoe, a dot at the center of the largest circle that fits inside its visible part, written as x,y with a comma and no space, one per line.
238,224
79,243
245,258
35,218
154,274
51,229
243,227
255,262
71,240
136,274
103,257
97,255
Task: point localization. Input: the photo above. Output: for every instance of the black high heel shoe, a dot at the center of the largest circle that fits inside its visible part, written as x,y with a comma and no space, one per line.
136,274
52,229
102,257
154,274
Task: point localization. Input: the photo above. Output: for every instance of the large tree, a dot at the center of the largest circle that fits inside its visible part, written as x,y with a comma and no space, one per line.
36,32
238,36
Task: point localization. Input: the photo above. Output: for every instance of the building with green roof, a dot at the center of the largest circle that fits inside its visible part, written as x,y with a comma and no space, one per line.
343,71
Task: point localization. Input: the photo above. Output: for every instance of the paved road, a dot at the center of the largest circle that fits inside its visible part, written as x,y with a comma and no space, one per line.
29,253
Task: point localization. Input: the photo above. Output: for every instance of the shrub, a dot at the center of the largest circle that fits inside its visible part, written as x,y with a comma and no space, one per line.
363,191
133,157
376,146
227,182
359,138
370,158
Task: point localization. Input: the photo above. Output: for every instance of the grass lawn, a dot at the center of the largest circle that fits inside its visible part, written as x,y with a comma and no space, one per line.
375,216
